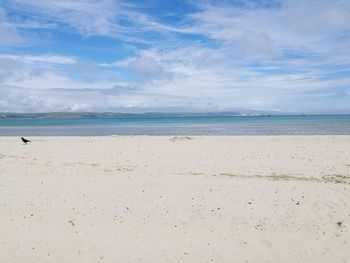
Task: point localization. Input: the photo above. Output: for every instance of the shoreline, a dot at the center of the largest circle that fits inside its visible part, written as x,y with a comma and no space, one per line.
177,135
193,126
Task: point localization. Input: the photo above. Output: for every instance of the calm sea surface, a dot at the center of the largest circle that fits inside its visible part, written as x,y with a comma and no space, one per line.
231,125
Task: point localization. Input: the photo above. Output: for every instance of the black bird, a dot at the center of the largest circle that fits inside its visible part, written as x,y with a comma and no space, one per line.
25,140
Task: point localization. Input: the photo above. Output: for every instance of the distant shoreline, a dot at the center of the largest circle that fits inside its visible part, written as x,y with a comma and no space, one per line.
111,115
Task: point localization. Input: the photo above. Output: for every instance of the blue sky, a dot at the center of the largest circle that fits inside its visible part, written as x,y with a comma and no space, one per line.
180,55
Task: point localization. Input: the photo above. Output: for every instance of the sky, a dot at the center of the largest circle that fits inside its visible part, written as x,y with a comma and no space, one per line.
169,56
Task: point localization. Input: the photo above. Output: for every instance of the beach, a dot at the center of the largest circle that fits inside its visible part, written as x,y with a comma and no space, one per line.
175,199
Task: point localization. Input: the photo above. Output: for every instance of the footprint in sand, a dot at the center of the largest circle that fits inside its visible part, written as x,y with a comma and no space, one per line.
119,169
174,139
89,164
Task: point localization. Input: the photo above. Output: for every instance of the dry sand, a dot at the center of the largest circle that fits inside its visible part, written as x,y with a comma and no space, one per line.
175,199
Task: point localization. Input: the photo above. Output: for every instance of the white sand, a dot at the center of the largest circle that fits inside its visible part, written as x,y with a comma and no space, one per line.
158,199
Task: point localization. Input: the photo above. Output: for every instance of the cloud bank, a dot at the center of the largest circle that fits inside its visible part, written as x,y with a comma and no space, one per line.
193,56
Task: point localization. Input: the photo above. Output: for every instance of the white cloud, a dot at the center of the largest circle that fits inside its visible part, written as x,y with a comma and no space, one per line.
47,80
8,31
316,16
215,76
46,58
261,58
296,25
90,18
148,68
8,68
192,87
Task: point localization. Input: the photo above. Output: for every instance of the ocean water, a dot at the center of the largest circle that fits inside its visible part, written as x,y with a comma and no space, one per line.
201,125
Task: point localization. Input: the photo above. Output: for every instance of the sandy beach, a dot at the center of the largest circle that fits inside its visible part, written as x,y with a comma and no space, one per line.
175,199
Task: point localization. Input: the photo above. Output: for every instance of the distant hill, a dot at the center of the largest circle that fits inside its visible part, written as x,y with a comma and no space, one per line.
108,115
113,115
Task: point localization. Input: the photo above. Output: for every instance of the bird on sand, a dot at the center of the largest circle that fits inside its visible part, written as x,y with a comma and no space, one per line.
25,140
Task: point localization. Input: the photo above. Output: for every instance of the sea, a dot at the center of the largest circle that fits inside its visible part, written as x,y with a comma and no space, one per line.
179,125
